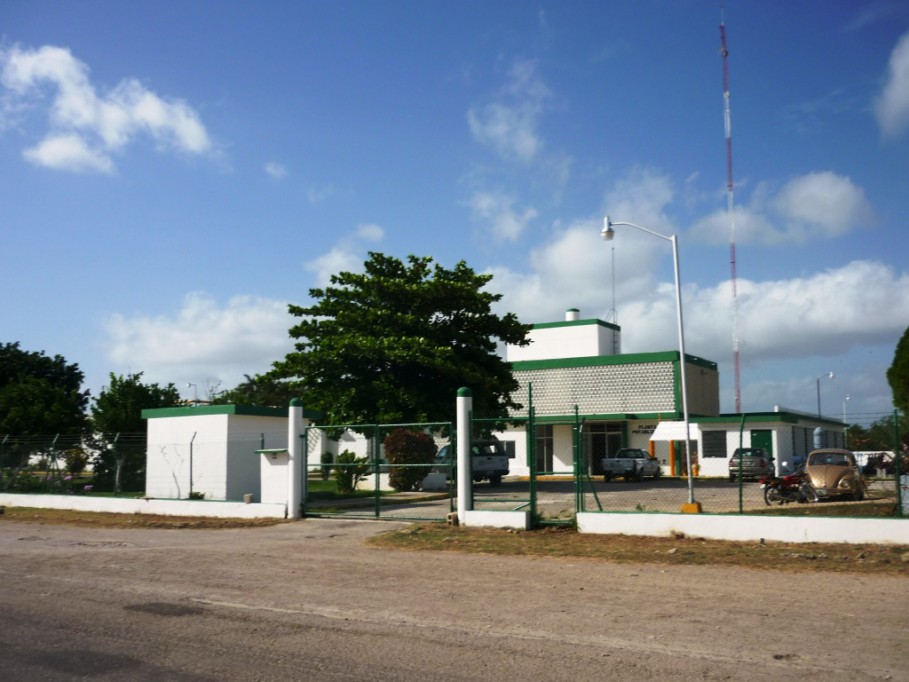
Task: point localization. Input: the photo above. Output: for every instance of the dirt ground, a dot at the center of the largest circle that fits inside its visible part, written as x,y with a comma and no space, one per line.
312,600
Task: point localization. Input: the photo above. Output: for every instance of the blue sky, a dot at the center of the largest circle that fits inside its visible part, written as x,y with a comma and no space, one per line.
173,174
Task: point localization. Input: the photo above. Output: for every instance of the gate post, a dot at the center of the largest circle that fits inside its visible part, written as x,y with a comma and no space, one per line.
296,466
465,478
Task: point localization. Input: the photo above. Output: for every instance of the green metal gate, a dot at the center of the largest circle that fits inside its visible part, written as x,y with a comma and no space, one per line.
551,494
347,474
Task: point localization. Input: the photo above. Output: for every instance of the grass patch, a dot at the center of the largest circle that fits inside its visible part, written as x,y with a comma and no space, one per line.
881,508
561,542
109,520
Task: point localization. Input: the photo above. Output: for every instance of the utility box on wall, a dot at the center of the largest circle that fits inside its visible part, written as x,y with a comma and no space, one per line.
275,467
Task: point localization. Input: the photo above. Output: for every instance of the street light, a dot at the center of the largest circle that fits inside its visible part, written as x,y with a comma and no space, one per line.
608,233
845,425
823,376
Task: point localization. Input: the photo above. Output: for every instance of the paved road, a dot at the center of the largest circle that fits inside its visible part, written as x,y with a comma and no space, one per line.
309,601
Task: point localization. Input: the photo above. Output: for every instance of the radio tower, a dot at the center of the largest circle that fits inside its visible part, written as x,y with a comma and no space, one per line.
730,206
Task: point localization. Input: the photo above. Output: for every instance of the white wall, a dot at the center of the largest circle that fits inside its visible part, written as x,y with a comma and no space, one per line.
172,442
243,465
741,527
231,510
569,341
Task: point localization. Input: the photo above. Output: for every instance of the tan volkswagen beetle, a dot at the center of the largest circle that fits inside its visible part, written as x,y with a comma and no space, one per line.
834,473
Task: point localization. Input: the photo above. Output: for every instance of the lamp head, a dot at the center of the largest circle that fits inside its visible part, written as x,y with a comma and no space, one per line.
607,233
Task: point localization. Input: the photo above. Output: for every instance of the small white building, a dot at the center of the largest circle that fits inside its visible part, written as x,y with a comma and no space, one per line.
211,450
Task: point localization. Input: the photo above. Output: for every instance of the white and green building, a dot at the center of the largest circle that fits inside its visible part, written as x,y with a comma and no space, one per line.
574,370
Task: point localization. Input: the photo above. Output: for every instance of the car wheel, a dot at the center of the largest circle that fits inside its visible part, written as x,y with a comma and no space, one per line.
657,473
495,481
732,478
607,477
859,494
638,474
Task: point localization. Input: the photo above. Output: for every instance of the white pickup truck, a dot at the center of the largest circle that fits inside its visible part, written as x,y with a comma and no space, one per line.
631,464
489,461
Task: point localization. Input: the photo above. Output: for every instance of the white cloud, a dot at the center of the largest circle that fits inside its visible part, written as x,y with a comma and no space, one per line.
510,123
202,341
68,152
86,128
347,255
370,232
820,204
892,105
275,170
824,203
498,209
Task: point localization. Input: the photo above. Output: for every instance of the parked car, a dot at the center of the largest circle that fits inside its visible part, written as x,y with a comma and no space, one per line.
489,461
834,473
631,464
755,463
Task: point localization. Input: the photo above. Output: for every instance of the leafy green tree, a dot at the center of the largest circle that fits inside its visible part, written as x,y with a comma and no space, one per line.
117,419
393,344
879,435
898,374
261,390
40,395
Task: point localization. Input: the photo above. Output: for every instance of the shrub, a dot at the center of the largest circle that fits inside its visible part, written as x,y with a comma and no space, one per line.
76,460
327,459
350,470
408,448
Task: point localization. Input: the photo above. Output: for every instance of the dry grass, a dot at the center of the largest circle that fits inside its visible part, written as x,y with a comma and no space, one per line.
677,550
105,520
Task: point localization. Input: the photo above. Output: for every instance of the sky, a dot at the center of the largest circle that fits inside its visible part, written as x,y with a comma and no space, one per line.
173,174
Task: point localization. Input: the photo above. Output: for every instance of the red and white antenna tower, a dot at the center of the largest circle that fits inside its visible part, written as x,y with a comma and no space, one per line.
730,208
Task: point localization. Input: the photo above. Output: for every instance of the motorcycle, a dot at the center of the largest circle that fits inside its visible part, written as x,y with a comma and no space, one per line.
785,489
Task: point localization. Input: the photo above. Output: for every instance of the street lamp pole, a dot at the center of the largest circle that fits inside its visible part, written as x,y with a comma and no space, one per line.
608,233
845,425
823,376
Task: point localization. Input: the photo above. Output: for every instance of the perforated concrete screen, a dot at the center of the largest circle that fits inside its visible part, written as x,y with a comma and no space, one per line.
630,388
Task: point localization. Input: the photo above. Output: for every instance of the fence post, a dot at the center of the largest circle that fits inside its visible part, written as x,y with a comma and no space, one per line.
296,467
464,433
902,487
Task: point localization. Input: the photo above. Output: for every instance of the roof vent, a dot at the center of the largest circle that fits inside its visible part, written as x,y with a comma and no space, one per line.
572,315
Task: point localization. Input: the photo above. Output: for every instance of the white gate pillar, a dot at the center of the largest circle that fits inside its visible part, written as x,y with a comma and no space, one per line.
296,466
465,478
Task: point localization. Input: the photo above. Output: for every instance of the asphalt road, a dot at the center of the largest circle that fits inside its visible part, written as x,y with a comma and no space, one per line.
309,601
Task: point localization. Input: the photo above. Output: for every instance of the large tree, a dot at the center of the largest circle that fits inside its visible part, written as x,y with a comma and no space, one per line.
40,395
118,423
898,374
393,344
